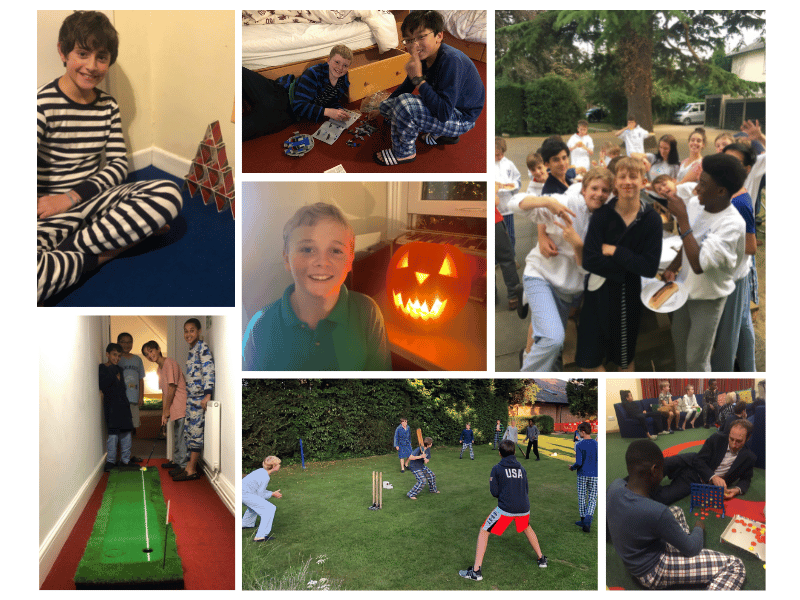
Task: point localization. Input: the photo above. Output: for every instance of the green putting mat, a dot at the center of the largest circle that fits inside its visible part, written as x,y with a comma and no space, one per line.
126,549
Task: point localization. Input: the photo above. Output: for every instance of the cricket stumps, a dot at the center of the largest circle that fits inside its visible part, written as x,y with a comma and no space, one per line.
377,490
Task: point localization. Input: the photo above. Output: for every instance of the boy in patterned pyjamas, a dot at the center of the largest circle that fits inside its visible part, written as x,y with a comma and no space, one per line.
199,386
254,497
586,465
417,463
653,540
467,437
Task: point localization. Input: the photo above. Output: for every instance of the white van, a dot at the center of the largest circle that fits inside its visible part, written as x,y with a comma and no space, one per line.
693,112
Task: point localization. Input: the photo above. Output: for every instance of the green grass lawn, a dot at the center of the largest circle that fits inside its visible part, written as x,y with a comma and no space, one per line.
617,575
326,534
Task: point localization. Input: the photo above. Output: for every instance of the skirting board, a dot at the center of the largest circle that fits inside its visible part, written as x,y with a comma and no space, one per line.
224,489
161,159
58,535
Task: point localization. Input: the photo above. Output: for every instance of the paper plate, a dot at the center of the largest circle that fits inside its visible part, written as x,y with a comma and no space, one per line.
677,300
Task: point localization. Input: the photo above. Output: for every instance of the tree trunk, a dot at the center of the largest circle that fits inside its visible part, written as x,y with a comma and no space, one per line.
636,57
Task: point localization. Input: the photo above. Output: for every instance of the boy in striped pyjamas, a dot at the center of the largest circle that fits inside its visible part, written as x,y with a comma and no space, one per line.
86,216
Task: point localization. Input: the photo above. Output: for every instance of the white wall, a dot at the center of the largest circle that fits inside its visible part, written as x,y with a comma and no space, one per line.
71,425
751,66
267,207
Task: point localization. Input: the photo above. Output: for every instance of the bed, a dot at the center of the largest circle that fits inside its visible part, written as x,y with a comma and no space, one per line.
466,31
272,38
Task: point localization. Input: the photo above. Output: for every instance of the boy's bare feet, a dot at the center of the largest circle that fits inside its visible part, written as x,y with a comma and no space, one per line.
106,256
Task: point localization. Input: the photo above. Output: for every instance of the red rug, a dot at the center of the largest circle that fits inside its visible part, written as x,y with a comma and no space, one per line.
204,528
744,508
673,450
265,154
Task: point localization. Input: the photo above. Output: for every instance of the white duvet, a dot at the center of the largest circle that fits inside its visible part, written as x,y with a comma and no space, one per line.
273,38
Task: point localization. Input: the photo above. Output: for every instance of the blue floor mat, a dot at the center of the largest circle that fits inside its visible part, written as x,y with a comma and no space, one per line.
191,266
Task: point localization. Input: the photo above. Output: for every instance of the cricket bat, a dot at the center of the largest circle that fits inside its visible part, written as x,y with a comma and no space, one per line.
421,443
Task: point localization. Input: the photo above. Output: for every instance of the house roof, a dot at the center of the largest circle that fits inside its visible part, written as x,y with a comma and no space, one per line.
761,45
552,391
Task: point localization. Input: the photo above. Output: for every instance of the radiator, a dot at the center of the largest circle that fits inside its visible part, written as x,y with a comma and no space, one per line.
212,443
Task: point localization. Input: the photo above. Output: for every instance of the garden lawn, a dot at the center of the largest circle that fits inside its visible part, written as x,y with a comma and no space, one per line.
324,530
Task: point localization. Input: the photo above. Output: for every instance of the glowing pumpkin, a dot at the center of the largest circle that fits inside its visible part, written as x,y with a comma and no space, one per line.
428,282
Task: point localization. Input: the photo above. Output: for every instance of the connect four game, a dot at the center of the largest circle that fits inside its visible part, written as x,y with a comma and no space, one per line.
708,497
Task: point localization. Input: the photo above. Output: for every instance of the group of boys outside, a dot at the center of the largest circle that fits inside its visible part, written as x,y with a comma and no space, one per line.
508,482
184,400
598,238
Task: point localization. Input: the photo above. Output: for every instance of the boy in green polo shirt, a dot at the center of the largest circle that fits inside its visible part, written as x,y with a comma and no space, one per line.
318,324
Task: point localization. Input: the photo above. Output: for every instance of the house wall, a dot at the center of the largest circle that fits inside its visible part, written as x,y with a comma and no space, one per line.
751,66
559,412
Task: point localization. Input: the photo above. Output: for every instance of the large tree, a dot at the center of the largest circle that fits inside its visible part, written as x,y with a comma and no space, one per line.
582,397
635,46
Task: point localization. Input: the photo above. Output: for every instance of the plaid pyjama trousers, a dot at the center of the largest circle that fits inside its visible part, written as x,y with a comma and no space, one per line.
115,218
423,475
718,571
587,495
463,447
409,117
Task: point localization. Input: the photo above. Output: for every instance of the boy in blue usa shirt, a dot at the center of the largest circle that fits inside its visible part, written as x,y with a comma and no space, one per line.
451,93
509,484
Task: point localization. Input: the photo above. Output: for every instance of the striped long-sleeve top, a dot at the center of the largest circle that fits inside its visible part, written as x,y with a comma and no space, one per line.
71,141
313,92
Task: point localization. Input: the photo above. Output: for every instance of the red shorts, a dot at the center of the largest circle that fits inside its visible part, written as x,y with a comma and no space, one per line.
497,522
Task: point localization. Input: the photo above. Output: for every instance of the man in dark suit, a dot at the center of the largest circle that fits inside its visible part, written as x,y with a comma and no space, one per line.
723,461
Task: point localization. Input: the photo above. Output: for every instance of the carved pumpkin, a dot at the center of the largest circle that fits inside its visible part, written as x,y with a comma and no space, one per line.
428,282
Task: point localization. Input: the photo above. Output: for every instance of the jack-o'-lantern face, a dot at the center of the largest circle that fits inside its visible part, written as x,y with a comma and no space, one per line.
428,282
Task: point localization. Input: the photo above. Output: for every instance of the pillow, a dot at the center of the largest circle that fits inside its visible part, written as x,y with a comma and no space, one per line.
383,28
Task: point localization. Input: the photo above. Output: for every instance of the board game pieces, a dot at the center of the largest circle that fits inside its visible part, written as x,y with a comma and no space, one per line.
747,534
707,497
210,173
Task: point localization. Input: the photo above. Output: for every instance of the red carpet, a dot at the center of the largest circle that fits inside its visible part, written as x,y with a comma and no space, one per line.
203,525
265,154
673,450
746,509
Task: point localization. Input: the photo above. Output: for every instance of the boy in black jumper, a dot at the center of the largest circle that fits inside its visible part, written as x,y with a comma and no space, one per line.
116,408
509,484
